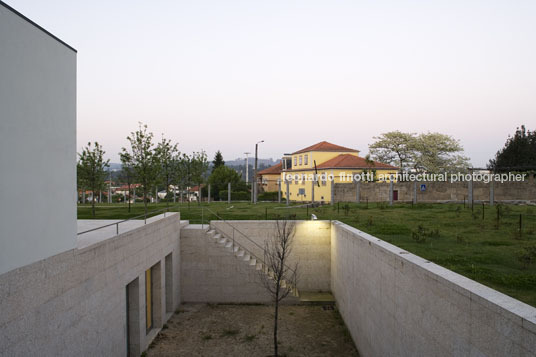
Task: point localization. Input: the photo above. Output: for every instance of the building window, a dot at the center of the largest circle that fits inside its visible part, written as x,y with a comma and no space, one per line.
148,300
295,159
306,159
300,160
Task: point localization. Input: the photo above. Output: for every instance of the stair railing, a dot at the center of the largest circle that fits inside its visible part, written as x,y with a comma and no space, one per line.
249,239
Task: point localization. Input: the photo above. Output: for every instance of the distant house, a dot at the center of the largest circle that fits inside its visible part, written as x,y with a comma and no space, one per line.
327,160
270,177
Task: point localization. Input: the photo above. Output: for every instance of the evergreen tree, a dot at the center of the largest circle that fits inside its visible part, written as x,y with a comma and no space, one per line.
218,161
518,153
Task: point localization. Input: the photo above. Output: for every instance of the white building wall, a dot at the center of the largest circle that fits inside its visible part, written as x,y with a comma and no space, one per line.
37,143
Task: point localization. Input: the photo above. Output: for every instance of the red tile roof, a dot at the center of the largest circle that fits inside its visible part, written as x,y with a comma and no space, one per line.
352,161
325,146
273,170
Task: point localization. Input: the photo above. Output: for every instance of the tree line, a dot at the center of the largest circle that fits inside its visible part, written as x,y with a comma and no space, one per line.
145,162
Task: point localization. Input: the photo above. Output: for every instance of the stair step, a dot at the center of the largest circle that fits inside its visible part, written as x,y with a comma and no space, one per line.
222,241
240,253
229,244
259,266
217,236
236,248
247,257
212,231
253,262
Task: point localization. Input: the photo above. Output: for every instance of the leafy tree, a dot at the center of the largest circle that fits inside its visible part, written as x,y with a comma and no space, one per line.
218,160
91,170
182,176
518,153
220,178
436,152
430,152
198,168
127,172
168,156
144,159
395,148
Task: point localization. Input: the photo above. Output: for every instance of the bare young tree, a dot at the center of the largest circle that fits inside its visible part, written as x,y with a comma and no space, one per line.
278,277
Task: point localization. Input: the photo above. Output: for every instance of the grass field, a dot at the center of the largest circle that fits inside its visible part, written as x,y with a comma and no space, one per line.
488,248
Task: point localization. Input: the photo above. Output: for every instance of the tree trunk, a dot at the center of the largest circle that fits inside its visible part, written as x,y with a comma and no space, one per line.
93,203
275,321
145,194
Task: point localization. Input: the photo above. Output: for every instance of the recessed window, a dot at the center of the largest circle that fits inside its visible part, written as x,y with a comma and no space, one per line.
306,159
300,160
148,300
295,160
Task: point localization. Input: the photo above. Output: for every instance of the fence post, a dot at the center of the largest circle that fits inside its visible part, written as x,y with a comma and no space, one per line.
229,193
174,194
332,192
414,192
470,190
520,224
156,195
288,193
208,198
279,191
202,218
491,191
391,190
358,191
313,191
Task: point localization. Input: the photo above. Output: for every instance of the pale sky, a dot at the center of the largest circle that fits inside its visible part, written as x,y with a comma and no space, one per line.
225,74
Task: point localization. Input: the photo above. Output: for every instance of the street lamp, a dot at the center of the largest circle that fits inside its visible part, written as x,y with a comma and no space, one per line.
255,189
247,166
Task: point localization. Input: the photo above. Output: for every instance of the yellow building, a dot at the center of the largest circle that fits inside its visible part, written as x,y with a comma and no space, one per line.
320,164
270,177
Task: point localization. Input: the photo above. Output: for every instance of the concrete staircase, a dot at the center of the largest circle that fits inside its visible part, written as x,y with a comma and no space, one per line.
249,259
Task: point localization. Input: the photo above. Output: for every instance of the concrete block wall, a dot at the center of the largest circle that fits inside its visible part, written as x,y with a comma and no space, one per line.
397,304
311,247
438,191
212,274
74,303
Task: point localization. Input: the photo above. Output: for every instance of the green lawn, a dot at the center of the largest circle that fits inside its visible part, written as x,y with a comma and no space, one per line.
450,235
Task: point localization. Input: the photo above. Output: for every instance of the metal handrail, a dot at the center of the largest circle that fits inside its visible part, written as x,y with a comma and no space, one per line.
245,236
116,224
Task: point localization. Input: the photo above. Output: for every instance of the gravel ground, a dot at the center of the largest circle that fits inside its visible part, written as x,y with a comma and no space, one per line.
247,330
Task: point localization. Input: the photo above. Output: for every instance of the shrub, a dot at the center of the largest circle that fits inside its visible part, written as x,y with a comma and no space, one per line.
268,196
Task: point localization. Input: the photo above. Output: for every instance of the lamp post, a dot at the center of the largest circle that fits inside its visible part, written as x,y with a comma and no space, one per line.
255,175
247,166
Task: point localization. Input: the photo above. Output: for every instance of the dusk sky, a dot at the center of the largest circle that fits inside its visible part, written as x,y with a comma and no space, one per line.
225,74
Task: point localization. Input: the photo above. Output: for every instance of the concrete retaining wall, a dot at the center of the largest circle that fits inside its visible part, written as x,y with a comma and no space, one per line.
397,304
212,274
311,247
74,303
437,191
